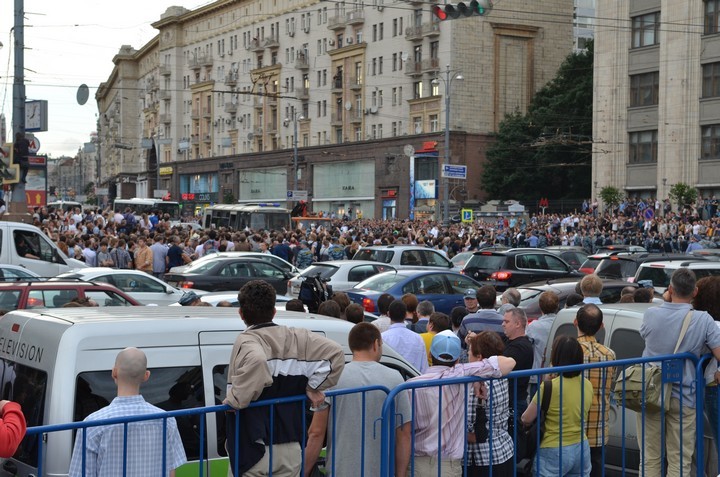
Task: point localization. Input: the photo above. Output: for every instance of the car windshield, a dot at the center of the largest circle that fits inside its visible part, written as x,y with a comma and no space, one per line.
616,268
660,276
488,262
384,256
325,271
461,259
381,283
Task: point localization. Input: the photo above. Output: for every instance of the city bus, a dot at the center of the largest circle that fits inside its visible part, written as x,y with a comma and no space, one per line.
65,205
266,216
145,206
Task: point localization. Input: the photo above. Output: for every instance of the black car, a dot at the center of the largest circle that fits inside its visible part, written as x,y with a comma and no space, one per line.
229,274
517,266
575,256
624,266
530,293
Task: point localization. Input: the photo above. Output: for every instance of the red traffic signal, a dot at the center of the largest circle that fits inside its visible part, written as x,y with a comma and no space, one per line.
462,9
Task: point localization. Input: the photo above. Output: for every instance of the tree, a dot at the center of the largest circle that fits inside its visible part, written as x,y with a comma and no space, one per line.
684,194
547,152
611,196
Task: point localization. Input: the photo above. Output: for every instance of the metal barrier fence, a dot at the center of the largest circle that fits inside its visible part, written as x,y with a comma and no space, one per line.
617,453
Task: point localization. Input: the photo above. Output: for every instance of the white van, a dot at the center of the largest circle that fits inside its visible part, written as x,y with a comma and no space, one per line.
50,260
56,364
66,205
621,333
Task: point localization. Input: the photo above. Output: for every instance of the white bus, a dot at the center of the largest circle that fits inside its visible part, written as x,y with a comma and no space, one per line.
65,205
266,216
145,206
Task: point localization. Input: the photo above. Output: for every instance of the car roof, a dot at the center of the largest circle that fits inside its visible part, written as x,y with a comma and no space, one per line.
570,281
508,251
61,283
649,257
690,262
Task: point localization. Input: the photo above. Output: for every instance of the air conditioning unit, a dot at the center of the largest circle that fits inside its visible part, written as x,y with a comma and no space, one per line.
367,111
291,33
331,42
373,110
349,41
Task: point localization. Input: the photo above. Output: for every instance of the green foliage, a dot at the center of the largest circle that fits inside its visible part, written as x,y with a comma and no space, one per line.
89,188
547,152
228,197
611,196
683,194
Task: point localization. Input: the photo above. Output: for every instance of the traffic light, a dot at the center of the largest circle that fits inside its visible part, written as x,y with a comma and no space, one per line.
462,9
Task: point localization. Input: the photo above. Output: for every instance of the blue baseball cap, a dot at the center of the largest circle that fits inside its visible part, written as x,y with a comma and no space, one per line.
446,343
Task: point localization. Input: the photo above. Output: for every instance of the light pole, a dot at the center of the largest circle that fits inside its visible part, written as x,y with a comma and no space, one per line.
296,117
450,76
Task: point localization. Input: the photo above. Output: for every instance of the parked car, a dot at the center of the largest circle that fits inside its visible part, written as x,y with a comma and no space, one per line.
56,293
14,273
444,289
574,256
404,256
621,248
275,260
660,272
232,297
530,293
228,273
460,259
27,246
340,274
144,288
516,266
625,265
591,263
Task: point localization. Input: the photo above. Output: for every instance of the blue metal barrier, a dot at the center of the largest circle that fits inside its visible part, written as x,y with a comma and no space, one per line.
388,416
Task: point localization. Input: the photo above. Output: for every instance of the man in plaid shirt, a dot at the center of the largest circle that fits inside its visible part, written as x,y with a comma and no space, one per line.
589,321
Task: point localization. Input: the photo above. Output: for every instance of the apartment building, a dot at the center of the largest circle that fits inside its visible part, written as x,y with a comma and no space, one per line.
657,96
223,94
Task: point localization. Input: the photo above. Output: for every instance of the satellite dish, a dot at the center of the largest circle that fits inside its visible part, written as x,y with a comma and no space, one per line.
83,93
409,150
348,105
250,136
404,56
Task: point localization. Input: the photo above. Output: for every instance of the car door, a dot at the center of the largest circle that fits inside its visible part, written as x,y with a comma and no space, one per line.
433,258
431,287
555,267
231,276
359,273
458,284
271,274
146,289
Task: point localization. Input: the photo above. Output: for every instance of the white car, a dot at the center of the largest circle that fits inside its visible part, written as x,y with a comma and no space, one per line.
283,265
145,288
16,273
341,274
232,297
660,272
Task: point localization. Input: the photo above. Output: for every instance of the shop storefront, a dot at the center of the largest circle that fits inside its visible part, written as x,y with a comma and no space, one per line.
264,185
198,191
344,188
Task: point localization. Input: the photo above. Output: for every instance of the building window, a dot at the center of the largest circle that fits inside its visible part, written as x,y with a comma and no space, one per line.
394,129
643,147
434,123
417,125
380,63
710,142
417,90
645,29
379,131
395,27
394,61
434,89
644,89
711,80
712,16
394,96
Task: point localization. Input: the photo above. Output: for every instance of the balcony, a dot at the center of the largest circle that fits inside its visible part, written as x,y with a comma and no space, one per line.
231,79
164,71
231,108
271,99
195,139
164,95
196,62
195,114
355,17
301,62
356,83
337,23
165,118
207,139
255,45
431,29
414,33
271,128
302,92
257,102
430,65
413,68
337,85
336,119
207,112
271,42
356,117
258,131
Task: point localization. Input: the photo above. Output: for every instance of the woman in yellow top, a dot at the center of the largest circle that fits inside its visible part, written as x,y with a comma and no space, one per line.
564,449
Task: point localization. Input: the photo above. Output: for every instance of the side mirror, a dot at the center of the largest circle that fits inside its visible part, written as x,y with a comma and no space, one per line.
169,290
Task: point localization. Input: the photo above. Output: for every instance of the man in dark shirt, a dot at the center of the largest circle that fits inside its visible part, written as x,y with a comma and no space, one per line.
21,151
520,348
175,254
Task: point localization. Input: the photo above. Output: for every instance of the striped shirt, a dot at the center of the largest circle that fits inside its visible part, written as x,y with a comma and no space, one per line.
427,420
497,410
104,444
596,425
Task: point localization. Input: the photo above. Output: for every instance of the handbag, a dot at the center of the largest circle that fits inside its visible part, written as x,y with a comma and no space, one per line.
634,393
528,441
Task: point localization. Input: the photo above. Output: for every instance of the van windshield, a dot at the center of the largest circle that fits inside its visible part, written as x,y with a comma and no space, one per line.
26,386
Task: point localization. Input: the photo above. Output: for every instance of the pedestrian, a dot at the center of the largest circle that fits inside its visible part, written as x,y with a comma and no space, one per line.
486,318
406,342
437,323
143,256
304,256
21,153
470,300
383,303
510,298
520,348
539,332
424,309
120,256
445,427
176,257
107,452
270,361
159,256
343,453
591,287
104,259
708,299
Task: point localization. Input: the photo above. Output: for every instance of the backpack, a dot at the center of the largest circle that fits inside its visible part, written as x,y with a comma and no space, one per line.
313,291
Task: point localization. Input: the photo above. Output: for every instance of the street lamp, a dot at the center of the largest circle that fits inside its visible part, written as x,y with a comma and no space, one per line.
296,117
450,76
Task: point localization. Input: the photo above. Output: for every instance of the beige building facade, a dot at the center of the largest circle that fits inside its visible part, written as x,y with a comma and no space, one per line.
223,92
657,96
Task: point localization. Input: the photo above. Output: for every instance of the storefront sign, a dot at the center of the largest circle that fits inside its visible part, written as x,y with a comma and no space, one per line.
166,171
200,196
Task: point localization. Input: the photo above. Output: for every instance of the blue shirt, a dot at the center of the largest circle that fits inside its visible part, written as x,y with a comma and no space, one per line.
104,444
482,320
408,343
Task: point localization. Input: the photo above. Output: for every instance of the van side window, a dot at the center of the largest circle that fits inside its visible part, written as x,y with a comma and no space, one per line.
106,298
27,387
168,388
626,344
50,298
9,300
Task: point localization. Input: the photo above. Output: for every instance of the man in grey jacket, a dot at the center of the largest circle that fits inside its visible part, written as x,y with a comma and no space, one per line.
269,361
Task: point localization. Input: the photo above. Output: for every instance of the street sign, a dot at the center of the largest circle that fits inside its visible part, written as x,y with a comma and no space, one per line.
454,171
101,191
467,215
649,214
297,195
34,146
160,193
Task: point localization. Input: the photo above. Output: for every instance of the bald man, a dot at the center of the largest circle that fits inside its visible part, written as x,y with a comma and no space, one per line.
104,444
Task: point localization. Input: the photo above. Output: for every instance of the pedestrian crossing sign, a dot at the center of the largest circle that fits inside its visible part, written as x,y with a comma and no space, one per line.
467,215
